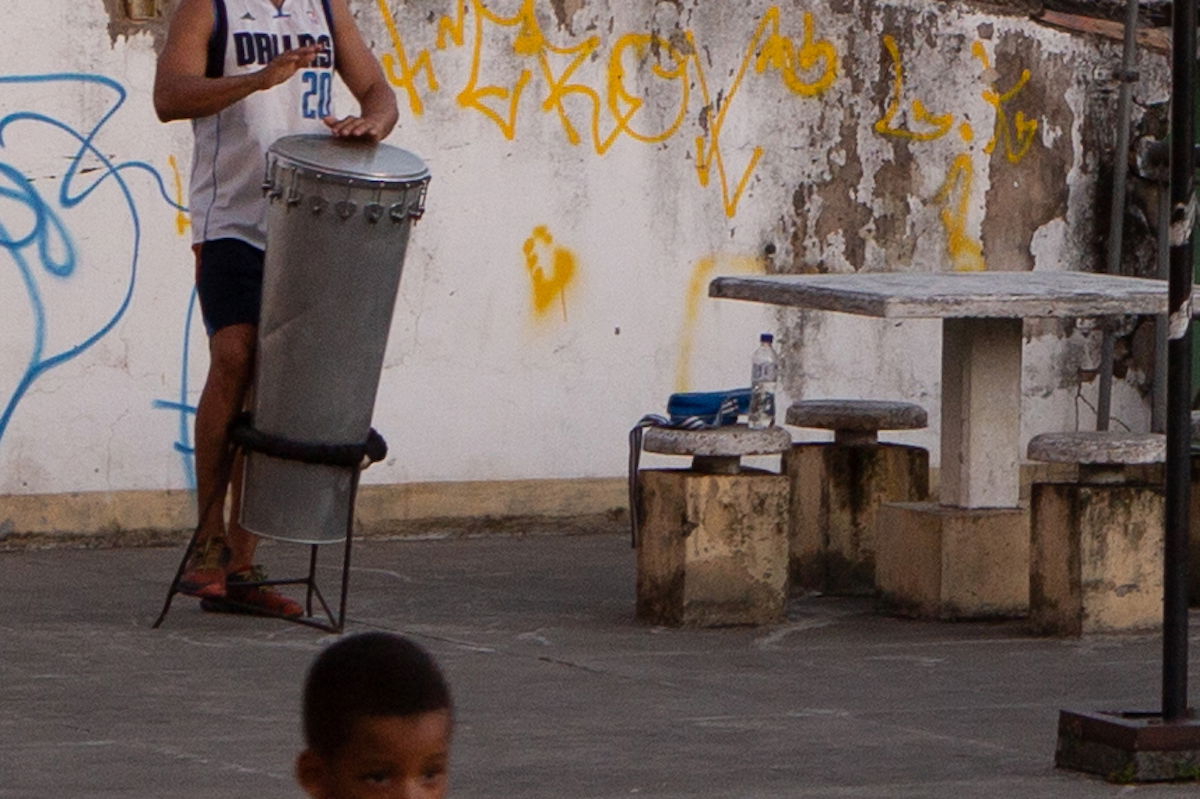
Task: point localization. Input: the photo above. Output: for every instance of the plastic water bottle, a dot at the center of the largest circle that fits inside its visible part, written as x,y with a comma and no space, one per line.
764,373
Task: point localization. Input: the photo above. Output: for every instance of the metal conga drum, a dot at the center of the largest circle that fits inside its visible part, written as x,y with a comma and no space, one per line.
338,222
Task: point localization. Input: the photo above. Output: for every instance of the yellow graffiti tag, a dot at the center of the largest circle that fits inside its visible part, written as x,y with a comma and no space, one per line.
807,68
780,53
940,123
408,69
702,273
954,196
551,269
767,49
561,87
182,221
1019,136
622,105
966,253
528,41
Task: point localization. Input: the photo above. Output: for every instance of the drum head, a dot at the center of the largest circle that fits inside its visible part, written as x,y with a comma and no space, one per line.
349,160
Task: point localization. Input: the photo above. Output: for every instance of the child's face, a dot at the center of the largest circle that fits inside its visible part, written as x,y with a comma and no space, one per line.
398,757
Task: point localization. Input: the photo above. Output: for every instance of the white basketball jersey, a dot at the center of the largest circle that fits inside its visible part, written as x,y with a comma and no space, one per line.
230,148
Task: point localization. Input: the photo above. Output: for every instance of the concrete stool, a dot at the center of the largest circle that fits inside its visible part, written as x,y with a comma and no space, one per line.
838,487
713,541
1096,545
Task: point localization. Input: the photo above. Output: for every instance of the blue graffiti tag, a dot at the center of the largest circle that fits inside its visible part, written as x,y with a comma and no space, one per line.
181,406
47,245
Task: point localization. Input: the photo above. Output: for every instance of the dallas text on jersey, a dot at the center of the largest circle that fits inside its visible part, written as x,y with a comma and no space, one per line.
260,48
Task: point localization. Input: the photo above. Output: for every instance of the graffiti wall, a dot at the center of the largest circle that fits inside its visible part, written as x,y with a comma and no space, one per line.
595,163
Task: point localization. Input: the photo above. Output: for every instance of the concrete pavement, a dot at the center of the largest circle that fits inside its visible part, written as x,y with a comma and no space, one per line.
560,693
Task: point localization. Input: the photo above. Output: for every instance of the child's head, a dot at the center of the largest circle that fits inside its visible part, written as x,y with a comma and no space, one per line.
377,720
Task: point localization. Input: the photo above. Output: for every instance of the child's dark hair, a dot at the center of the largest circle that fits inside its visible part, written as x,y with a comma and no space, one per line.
365,675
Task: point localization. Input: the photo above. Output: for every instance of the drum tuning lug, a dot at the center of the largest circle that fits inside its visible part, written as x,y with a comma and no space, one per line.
294,197
346,209
274,193
398,212
317,205
373,212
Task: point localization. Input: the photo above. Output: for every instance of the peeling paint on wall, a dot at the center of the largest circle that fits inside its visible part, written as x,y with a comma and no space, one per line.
132,17
1036,192
564,11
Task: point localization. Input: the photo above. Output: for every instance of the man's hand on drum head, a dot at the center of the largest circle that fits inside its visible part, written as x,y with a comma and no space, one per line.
364,128
287,64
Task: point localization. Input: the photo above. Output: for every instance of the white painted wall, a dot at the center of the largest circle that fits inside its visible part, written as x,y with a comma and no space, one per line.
99,354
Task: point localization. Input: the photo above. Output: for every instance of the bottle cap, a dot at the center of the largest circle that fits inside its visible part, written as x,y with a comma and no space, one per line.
766,338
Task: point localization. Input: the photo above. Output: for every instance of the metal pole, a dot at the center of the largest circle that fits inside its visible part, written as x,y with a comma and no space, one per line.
1179,363
1158,408
1116,219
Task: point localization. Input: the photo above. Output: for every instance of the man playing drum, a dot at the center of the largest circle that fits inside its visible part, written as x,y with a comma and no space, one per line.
247,72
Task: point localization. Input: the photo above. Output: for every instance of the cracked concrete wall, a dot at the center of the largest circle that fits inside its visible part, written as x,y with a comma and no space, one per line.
595,163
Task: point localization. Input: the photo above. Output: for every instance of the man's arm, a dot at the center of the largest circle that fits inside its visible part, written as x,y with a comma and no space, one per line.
364,78
181,89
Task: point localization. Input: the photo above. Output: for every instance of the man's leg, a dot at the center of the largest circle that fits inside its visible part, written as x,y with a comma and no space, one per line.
220,471
231,368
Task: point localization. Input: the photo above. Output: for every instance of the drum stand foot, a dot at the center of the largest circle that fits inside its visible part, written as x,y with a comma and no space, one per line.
327,621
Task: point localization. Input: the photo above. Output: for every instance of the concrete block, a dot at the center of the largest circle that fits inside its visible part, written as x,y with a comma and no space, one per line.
836,492
713,548
943,562
1129,747
1096,558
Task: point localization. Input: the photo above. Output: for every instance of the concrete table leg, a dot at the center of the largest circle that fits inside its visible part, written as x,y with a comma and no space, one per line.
939,562
981,412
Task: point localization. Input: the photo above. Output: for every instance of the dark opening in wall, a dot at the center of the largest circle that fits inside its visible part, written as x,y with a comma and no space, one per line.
138,18
143,10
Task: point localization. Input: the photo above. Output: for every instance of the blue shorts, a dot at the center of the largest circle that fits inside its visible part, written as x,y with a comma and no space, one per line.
229,276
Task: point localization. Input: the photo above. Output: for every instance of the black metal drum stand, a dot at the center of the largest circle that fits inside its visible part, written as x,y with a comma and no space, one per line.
353,457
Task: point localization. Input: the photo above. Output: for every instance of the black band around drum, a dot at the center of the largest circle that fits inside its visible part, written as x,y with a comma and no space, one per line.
245,434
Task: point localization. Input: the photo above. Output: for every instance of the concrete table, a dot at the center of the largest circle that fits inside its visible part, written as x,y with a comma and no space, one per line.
967,557
982,315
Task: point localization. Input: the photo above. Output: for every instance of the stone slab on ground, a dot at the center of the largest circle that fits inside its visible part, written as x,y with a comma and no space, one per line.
560,693
1129,747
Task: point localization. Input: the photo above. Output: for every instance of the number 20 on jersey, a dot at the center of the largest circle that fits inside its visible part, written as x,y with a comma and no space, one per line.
317,100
